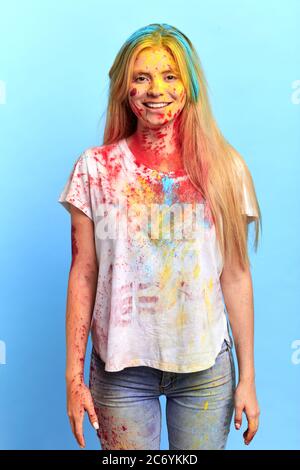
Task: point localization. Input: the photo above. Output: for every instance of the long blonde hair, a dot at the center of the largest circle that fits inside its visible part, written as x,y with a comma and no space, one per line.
214,167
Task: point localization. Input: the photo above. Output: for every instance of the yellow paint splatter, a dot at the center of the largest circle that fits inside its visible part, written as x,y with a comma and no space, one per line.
196,271
207,290
181,318
206,405
166,273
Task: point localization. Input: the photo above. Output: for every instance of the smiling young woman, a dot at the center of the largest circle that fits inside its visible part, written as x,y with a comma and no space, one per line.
156,96
155,300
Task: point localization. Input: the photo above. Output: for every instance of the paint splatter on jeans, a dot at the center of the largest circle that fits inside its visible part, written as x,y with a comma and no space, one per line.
199,405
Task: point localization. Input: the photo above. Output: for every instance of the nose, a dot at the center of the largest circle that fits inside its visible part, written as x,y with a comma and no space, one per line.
155,88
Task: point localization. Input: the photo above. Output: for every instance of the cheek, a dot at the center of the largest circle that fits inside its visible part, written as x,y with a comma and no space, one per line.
135,92
134,96
178,93
182,97
136,108
132,92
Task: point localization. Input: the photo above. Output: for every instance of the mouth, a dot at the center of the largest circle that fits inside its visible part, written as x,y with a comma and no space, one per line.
156,105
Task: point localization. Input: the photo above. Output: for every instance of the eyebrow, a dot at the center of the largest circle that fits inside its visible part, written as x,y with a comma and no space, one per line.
147,73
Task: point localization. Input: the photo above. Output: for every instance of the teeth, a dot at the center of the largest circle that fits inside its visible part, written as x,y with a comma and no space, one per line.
156,105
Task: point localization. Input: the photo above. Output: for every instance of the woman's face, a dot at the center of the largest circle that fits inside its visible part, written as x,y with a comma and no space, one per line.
156,79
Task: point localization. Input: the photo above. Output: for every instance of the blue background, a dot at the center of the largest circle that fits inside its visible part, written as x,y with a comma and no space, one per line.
54,64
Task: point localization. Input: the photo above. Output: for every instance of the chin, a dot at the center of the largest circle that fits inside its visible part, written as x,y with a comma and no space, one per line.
158,122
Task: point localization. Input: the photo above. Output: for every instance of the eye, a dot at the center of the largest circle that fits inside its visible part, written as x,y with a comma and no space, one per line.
137,79
171,76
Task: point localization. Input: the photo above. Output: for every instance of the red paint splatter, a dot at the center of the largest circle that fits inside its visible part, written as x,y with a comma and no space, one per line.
74,246
133,92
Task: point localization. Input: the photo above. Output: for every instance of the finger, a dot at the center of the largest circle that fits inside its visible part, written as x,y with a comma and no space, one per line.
250,433
238,417
92,416
79,430
251,430
72,424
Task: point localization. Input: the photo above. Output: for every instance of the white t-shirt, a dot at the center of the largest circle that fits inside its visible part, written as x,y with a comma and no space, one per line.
159,301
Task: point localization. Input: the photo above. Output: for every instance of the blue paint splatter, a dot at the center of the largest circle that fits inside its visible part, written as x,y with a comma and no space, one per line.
168,184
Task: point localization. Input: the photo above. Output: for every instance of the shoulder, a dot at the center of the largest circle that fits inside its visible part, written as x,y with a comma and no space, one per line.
102,153
101,158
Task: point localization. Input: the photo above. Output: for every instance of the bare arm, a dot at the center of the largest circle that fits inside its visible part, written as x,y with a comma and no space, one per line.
80,302
238,296
237,290
81,291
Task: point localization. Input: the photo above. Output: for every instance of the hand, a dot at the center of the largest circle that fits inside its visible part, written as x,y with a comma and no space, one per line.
245,400
79,399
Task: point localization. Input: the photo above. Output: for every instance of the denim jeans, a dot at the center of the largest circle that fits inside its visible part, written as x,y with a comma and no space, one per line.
199,405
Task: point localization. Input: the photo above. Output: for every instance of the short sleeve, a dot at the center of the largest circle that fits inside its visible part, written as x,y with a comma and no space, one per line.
248,208
247,191
77,189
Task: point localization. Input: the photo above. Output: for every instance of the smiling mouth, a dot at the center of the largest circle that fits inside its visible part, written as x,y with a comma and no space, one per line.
156,105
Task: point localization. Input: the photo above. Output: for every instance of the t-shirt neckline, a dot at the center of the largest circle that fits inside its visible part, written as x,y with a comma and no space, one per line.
140,167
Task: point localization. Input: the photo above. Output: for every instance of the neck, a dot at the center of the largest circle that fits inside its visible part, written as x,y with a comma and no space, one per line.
157,148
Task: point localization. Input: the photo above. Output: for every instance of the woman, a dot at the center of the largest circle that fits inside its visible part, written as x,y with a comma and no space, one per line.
160,217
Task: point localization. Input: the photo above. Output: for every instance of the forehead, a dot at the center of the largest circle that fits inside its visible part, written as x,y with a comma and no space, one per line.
154,58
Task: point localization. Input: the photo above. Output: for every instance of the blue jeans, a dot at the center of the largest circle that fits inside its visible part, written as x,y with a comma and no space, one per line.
199,405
